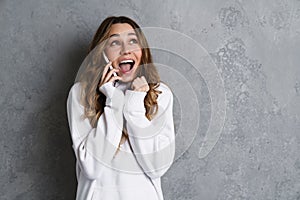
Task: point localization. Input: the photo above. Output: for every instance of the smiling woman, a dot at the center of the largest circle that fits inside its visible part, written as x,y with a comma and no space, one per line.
124,49
121,125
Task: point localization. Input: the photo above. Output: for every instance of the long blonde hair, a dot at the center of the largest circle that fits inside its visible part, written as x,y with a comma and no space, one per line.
92,99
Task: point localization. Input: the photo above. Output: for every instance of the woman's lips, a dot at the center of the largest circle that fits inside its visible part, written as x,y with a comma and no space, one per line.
126,65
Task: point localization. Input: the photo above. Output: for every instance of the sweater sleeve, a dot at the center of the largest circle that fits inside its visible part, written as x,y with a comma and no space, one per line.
153,142
95,147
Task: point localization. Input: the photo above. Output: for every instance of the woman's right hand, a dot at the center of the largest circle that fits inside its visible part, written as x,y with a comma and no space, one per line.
107,88
107,75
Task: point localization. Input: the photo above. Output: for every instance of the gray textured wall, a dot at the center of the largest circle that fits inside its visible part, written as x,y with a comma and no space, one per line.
255,45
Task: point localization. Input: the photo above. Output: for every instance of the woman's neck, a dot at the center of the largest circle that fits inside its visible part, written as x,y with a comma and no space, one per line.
123,86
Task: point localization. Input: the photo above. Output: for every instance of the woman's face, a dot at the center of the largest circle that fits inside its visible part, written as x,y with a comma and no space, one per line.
124,50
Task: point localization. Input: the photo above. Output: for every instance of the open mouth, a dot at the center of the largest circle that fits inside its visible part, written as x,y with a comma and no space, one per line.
126,65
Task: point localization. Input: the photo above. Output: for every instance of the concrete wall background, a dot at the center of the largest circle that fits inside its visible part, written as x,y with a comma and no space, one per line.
255,45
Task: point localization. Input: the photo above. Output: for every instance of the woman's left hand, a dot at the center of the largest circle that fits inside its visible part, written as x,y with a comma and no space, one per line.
140,84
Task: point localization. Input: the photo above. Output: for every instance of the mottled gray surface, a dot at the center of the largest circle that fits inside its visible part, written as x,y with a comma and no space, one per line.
255,45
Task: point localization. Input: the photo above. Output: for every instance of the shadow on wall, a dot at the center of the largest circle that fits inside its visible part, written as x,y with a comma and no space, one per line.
52,157
66,173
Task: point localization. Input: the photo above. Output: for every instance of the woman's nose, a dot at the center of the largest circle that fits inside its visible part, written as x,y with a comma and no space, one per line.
125,49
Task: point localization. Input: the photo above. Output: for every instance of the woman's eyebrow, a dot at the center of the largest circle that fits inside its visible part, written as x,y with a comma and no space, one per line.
118,35
131,34
114,35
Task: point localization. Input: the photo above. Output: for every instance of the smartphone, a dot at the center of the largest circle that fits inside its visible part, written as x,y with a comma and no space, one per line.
110,67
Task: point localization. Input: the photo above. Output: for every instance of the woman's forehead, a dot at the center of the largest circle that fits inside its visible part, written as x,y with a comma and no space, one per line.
121,29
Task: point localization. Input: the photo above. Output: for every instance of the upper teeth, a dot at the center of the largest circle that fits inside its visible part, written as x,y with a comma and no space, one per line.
126,61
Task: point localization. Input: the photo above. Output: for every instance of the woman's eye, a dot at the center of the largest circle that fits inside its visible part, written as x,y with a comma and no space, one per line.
114,43
133,41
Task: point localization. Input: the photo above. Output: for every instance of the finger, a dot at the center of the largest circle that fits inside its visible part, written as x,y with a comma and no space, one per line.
105,70
138,78
134,83
146,88
144,79
110,74
139,81
143,89
114,78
